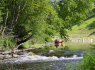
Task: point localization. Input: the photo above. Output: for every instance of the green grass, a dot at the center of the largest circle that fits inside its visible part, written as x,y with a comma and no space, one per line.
67,46
84,29
78,46
88,63
29,44
47,49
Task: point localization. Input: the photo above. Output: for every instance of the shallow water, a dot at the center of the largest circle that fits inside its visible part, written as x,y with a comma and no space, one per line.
39,62
61,64
60,60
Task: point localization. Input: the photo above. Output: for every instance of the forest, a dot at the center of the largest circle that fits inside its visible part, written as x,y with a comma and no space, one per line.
31,24
30,20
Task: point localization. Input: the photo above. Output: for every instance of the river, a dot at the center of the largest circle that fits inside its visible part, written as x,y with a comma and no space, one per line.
60,60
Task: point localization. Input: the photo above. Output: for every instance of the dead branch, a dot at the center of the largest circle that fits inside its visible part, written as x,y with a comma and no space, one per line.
17,50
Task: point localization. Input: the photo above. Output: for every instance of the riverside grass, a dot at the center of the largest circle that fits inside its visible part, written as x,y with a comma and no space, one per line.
88,63
85,29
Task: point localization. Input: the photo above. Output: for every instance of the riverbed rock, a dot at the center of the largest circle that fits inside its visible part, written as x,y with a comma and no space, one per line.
3,57
51,51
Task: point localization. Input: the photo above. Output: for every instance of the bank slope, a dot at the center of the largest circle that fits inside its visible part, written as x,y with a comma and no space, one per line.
85,30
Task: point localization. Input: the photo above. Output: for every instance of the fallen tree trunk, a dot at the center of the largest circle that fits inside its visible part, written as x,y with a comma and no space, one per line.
13,51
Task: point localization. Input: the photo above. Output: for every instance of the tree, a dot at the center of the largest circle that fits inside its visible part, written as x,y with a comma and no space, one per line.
72,12
40,20
27,19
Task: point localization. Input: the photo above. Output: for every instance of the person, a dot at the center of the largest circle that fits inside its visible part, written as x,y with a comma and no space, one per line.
59,42
56,43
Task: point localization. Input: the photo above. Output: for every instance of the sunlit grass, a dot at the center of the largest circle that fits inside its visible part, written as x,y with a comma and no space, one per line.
77,46
83,30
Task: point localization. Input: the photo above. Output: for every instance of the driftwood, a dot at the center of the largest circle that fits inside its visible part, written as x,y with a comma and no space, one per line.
13,51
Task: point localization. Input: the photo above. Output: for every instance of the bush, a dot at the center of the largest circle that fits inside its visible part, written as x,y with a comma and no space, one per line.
88,63
7,42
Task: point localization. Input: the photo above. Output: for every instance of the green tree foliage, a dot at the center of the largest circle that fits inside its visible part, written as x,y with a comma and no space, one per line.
40,19
72,12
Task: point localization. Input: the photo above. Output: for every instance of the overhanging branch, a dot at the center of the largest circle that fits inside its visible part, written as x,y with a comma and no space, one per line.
23,41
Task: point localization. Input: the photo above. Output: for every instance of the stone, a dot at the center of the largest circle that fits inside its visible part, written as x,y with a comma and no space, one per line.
51,51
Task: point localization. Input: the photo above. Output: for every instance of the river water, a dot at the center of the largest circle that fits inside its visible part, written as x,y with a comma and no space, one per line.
66,59
48,63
